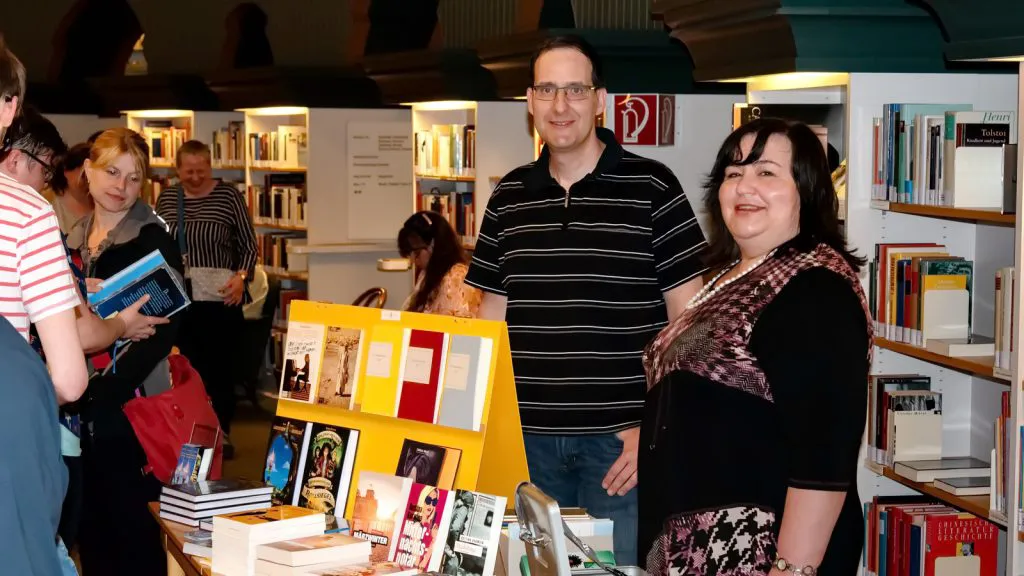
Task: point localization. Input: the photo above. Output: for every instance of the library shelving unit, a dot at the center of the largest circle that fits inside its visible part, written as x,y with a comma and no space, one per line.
971,387
166,130
329,187
460,147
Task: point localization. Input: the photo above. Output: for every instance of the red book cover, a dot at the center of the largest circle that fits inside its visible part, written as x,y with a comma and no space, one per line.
420,527
421,376
962,543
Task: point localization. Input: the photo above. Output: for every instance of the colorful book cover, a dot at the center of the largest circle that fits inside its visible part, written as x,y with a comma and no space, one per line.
148,275
419,387
420,527
189,461
327,468
339,374
287,443
474,529
301,361
379,505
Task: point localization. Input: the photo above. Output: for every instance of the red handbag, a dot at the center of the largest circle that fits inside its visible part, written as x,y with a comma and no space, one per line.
163,423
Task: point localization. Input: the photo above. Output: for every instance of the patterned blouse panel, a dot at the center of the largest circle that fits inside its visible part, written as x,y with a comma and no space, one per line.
712,339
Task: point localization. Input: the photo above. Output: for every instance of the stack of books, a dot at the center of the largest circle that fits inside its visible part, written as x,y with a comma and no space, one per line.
300,556
236,536
194,503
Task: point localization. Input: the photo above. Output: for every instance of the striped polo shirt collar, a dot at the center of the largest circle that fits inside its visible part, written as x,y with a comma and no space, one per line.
539,177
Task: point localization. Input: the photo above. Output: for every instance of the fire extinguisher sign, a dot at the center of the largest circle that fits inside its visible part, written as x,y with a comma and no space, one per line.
644,119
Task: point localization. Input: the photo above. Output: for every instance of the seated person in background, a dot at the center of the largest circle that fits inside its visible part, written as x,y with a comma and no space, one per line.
32,476
441,264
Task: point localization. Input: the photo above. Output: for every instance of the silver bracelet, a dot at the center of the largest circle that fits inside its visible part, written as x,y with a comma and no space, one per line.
785,566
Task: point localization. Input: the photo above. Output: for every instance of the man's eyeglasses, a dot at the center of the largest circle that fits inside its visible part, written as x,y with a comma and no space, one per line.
571,91
47,169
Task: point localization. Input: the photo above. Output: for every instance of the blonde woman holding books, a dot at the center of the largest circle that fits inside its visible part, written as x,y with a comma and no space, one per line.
117,534
757,392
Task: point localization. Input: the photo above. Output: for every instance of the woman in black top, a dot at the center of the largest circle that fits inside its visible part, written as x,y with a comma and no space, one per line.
757,392
117,535
218,236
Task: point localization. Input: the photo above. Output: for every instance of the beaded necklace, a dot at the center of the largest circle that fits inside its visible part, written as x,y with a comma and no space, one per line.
713,287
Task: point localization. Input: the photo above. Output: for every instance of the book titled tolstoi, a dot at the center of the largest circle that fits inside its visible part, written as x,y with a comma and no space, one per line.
148,275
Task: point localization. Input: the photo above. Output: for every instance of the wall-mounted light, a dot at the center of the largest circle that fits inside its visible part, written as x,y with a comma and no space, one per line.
275,111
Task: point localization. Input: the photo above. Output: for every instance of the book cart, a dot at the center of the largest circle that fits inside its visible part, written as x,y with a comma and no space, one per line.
493,459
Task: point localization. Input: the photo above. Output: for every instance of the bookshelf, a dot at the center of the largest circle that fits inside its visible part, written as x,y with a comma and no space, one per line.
491,138
330,246
971,387
166,130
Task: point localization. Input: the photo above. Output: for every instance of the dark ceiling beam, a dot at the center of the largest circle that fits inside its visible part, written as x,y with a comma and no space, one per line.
742,38
980,28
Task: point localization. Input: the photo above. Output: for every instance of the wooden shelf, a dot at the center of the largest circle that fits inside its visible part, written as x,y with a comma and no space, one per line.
269,168
284,227
976,365
228,166
284,275
991,216
446,178
977,505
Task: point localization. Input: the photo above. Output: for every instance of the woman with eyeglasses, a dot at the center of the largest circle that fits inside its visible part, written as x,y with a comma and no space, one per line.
440,264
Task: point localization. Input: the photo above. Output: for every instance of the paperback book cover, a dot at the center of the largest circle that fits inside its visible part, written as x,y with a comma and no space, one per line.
420,526
301,361
328,468
149,275
379,506
471,547
419,389
288,440
428,464
189,462
339,374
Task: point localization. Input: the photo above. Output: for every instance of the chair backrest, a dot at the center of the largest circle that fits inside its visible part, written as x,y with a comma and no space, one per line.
373,298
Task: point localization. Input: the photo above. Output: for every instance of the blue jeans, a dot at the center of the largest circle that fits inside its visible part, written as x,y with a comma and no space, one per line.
570,470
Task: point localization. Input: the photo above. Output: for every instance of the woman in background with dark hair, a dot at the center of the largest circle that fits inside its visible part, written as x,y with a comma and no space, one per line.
441,264
766,370
68,192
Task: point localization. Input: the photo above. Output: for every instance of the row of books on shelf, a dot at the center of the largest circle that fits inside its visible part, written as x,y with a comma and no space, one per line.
922,295
274,251
905,433
164,139
446,150
286,147
280,200
422,375
916,536
945,155
227,144
455,206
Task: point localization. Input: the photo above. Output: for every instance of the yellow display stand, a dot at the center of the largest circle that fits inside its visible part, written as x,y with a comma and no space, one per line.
493,459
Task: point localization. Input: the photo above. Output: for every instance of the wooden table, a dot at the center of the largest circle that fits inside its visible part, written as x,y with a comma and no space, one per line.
173,536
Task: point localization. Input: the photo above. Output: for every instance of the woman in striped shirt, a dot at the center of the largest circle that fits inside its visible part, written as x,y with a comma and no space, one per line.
211,223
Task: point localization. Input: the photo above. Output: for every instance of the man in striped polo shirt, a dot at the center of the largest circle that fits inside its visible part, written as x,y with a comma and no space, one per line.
585,253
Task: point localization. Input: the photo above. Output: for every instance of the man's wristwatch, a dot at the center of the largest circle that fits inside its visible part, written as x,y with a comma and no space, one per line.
243,275
784,565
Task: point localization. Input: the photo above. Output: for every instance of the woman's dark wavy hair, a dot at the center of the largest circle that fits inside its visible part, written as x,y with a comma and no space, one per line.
819,206
419,231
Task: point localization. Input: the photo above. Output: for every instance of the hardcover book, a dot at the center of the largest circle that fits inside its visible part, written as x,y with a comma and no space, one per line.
379,506
301,361
288,441
428,464
149,275
327,468
339,374
420,527
474,529
422,371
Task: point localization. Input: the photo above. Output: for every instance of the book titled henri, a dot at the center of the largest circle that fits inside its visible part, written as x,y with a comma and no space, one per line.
149,275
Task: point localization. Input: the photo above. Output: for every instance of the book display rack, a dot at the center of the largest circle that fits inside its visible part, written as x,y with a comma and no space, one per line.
401,378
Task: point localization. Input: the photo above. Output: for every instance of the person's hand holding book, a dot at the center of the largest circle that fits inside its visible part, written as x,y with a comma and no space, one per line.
138,326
